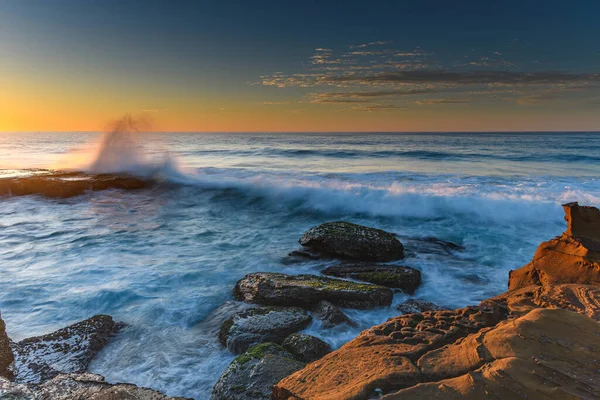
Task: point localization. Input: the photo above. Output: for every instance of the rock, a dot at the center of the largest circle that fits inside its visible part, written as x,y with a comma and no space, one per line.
429,245
6,354
67,350
384,356
68,184
405,278
418,306
253,374
573,257
351,241
275,289
78,387
330,315
261,325
306,348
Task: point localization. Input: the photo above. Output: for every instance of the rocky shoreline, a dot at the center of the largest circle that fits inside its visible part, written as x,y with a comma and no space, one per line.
537,340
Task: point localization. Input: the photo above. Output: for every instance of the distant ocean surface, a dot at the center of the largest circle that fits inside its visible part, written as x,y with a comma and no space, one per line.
165,260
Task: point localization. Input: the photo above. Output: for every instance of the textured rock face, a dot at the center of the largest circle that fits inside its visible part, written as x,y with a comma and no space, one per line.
306,291
67,350
261,325
401,277
78,387
413,306
253,374
582,221
330,315
306,348
6,354
351,241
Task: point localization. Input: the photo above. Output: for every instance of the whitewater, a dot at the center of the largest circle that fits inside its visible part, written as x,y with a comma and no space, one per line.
165,259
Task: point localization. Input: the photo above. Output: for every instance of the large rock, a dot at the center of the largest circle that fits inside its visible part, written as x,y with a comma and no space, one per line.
573,257
261,325
330,315
417,306
6,354
306,348
78,387
269,288
401,277
67,350
351,241
253,374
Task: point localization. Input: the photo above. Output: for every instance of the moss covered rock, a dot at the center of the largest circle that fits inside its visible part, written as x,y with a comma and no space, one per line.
350,241
260,325
275,289
406,278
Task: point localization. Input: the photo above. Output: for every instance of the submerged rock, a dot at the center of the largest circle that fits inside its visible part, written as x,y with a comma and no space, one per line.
6,354
253,374
351,241
261,325
406,278
78,387
269,288
330,315
415,306
67,350
306,348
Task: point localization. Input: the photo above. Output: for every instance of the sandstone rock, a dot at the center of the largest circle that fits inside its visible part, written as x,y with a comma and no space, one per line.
582,221
78,387
351,241
269,288
413,306
306,348
405,278
67,350
67,184
384,356
331,315
253,374
6,354
261,325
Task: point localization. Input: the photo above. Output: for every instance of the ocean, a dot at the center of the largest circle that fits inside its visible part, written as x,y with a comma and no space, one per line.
165,260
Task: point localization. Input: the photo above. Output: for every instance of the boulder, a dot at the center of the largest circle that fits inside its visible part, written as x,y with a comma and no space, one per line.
261,325
573,257
330,315
350,241
6,354
67,350
306,348
405,278
253,374
417,306
276,289
83,386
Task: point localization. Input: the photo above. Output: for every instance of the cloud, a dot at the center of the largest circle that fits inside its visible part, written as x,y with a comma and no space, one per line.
379,108
536,99
442,101
334,101
368,95
273,103
377,43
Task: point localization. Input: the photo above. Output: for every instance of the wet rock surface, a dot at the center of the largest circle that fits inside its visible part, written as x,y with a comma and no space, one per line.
393,276
330,315
67,350
350,241
418,306
83,386
6,354
261,325
268,288
306,348
253,374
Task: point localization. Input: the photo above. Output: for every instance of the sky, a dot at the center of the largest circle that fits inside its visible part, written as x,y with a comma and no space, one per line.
510,65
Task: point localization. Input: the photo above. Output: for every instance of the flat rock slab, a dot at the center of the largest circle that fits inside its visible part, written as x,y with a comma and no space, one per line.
393,276
350,241
261,325
275,289
253,374
67,350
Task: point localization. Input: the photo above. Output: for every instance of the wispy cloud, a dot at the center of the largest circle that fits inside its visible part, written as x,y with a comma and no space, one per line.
442,101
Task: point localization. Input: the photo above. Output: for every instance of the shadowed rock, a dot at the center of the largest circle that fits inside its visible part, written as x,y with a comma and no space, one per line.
261,325
330,315
405,278
306,348
415,306
67,350
351,241
269,288
6,354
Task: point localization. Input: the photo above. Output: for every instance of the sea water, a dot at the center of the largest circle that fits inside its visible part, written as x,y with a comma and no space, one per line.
164,260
